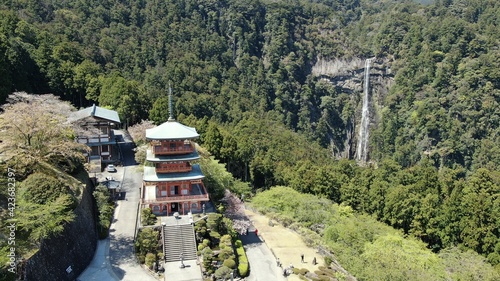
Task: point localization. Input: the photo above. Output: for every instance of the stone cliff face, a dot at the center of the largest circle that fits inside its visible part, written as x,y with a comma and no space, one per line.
66,256
346,75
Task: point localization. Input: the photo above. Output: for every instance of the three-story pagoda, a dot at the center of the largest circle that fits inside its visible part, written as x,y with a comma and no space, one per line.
172,183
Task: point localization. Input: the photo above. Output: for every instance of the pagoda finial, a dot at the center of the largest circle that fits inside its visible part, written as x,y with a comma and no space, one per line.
170,110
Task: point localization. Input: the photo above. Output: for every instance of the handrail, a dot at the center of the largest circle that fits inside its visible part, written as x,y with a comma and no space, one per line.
181,198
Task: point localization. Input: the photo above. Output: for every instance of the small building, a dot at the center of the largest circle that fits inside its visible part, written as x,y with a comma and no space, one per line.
98,124
172,183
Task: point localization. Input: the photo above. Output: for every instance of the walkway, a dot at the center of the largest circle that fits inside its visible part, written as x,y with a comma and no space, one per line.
284,244
121,264
262,262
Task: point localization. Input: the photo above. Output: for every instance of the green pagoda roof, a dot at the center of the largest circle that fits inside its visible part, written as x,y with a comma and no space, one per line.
170,158
150,175
171,130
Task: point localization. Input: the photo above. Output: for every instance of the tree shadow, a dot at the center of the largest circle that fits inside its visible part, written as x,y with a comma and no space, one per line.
121,254
250,239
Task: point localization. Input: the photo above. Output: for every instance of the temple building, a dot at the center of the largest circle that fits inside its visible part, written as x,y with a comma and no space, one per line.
98,124
171,182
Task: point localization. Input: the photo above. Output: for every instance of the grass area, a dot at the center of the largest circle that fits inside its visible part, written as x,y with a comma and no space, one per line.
368,249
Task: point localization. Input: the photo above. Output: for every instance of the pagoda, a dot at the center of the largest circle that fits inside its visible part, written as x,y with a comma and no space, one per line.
171,183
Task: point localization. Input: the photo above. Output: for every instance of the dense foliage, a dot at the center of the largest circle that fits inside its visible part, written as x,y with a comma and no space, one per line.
105,207
242,74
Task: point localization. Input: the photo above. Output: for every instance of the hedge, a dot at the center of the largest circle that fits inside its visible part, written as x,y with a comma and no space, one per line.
242,259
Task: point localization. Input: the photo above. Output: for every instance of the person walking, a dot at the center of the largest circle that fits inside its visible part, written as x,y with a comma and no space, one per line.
302,258
314,261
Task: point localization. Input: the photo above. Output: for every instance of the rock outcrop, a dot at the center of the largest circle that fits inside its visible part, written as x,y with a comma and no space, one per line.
346,75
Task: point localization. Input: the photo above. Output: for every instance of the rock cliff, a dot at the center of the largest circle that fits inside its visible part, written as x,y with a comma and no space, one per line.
346,75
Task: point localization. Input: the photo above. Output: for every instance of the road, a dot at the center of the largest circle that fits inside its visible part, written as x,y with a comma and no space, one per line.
263,265
115,256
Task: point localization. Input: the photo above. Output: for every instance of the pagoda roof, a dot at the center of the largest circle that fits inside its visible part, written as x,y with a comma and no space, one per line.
171,130
97,111
150,175
170,158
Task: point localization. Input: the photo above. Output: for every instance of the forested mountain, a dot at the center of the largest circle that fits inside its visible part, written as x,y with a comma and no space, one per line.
249,75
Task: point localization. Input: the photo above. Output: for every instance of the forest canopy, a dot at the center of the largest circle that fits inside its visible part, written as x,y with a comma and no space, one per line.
245,74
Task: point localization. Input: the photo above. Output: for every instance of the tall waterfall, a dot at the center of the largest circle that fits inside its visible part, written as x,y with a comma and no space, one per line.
362,152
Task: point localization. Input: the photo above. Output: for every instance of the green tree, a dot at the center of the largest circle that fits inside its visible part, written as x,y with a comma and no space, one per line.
41,188
481,209
213,140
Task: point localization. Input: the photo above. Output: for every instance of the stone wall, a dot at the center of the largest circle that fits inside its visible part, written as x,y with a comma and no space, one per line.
65,257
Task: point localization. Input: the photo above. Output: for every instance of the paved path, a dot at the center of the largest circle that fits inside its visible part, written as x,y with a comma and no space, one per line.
284,244
262,261
121,263
99,269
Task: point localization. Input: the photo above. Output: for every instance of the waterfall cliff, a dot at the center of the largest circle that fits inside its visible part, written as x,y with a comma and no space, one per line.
364,130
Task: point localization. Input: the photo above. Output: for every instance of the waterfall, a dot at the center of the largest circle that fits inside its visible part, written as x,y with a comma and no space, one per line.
362,153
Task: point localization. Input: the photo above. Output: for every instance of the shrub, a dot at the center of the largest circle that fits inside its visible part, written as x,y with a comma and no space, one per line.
147,241
223,272
150,259
303,271
242,259
225,253
226,240
229,263
147,217
238,244
201,247
215,235
243,269
106,208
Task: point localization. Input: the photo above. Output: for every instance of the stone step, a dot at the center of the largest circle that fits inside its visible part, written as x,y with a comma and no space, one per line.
179,240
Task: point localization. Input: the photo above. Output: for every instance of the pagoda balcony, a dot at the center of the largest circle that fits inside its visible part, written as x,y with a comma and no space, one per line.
179,198
158,150
177,169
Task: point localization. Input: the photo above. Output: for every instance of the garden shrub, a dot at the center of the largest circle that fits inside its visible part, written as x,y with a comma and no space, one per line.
150,259
328,260
226,253
106,209
238,244
147,217
141,258
223,272
303,271
242,259
243,269
229,263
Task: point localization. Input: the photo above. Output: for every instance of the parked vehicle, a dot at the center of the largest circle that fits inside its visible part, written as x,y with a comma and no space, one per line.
111,168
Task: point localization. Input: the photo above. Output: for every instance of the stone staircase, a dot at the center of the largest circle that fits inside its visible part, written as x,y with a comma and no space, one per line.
179,240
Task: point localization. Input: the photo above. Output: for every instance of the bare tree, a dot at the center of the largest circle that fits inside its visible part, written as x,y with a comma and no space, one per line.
138,131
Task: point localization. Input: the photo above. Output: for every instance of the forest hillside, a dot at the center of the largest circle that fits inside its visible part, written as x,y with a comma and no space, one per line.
276,90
